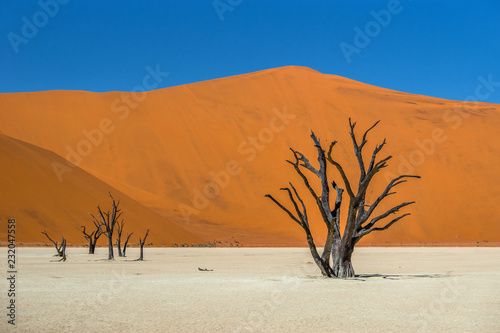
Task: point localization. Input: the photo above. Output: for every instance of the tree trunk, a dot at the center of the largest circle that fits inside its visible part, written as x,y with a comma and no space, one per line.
324,266
63,251
344,269
110,249
141,243
141,257
90,246
118,246
342,265
328,245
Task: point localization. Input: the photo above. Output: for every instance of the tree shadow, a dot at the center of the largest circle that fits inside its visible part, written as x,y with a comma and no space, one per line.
363,277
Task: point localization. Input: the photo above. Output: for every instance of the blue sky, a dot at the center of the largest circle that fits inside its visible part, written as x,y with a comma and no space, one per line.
435,48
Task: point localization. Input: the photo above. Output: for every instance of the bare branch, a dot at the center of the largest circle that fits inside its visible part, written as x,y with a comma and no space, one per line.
292,199
58,248
86,235
318,199
364,141
304,178
144,240
98,231
305,163
378,148
284,208
304,211
336,210
326,211
339,168
119,227
45,233
366,232
359,148
396,181
386,214
97,223
126,242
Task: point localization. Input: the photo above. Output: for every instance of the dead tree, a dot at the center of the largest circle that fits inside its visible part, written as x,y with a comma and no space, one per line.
119,230
141,242
106,223
92,237
335,260
125,244
63,250
58,248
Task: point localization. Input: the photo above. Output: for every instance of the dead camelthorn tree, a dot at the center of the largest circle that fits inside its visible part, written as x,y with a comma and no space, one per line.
119,231
63,250
92,237
106,223
141,242
58,248
335,260
125,244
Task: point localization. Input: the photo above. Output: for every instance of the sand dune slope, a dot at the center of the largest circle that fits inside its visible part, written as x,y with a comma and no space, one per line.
204,154
33,195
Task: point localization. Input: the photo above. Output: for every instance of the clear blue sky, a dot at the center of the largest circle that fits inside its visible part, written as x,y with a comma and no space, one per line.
435,48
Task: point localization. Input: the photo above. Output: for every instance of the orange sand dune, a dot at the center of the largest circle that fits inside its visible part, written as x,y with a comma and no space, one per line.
33,195
168,148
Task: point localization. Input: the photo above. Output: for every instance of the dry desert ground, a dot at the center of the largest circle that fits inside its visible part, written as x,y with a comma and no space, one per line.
256,290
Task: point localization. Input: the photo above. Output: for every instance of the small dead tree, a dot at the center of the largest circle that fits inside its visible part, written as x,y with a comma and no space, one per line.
141,242
125,244
58,248
119,230
106,223
92,237
63,250
335,260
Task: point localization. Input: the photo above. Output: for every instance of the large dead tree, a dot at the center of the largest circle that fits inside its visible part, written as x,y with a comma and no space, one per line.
58,248
106,222
141,243
335,260
92,237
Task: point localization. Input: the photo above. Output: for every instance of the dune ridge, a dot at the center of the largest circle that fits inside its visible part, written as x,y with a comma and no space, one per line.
33,196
